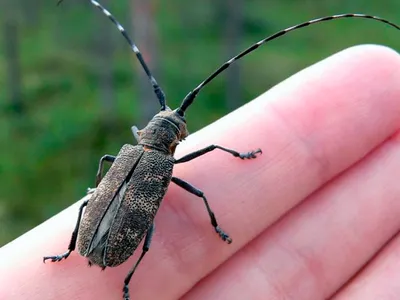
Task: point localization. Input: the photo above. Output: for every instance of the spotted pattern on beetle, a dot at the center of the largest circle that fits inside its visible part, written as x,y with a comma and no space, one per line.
140,205
107,189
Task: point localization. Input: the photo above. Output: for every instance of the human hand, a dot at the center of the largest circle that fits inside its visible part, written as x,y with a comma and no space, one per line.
306,216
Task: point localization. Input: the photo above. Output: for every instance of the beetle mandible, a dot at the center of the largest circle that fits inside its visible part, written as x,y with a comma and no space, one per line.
122,207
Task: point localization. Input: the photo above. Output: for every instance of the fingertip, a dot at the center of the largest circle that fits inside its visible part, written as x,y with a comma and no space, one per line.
372,53
377,64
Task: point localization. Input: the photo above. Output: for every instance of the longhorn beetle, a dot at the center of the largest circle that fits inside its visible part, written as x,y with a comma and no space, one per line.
121,210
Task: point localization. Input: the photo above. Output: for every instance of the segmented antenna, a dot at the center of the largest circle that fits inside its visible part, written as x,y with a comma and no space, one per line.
157,89
188,100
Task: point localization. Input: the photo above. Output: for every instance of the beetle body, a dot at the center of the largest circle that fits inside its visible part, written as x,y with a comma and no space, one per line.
123,207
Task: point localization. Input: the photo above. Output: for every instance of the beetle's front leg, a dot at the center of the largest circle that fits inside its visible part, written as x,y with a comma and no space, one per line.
72,243
193,155
99,175
135,132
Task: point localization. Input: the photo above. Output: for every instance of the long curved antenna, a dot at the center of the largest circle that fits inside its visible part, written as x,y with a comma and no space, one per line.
157,89
188,100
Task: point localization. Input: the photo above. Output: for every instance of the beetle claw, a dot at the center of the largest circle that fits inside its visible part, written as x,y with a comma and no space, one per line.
224,236
251,154
56,258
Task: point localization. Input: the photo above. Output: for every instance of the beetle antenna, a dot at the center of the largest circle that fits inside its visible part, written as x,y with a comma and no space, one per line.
157,89
188,100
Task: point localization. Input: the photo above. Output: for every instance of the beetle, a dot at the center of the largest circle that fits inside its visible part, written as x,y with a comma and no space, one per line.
122,207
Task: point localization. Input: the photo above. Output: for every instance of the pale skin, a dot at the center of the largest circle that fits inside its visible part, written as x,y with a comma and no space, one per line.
314,217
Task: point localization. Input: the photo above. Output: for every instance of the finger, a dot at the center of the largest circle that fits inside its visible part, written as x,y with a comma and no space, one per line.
322,243
308,135
351,114
379,279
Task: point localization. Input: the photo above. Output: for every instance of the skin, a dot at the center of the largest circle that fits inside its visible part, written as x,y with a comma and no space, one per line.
314,217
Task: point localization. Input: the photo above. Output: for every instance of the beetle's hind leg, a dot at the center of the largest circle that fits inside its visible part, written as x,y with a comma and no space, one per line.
146,247
191,189
72,243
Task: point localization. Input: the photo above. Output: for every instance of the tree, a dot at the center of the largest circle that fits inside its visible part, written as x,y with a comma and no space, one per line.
233,36
145,33
12,54
104,48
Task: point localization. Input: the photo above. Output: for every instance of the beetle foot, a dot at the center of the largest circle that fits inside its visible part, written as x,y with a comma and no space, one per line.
251,154
57,257
224,236
126,292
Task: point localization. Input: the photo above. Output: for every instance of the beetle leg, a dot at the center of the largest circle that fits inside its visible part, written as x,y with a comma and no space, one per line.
191,189
193,155
90,190
146,247
135,133
99,175
74,236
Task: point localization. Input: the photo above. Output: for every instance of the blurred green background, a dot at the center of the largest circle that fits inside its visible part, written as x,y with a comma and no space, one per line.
71,88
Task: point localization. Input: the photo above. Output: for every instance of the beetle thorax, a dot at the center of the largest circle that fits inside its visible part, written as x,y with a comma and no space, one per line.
164,131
